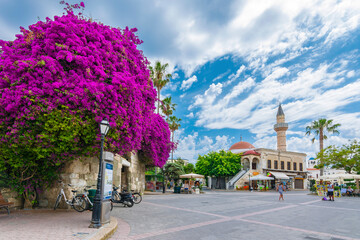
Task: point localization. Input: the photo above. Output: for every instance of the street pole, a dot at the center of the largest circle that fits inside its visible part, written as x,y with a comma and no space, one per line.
95,220
163,180
249,181
96,214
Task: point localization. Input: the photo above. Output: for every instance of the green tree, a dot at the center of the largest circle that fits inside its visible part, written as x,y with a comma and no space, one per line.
347,157
160,78
180,161
172,171
167,107
219,164
318,128
174,124
189,168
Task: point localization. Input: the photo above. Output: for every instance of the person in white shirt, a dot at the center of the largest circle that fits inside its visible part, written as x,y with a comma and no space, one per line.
330,189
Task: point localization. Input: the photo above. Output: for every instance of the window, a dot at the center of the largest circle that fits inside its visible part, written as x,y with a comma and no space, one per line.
294,166
288,166
275,164
282,165
254,165
300,166
269,163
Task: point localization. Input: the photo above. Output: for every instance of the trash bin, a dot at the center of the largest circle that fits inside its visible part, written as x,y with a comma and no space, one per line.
91,195
177,189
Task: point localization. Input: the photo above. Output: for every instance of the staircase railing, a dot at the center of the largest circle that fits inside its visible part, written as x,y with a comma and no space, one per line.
231,182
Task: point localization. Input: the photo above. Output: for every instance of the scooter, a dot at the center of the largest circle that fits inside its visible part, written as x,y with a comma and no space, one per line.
125,198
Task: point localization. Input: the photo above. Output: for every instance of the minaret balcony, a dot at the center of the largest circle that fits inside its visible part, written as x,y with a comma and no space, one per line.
281,126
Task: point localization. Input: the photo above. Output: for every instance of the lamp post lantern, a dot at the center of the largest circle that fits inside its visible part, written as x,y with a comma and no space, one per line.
95,220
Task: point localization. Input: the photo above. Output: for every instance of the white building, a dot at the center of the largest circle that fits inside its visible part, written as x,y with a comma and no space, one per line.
314,173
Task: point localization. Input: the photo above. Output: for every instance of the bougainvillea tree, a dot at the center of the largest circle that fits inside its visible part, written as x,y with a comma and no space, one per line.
58,79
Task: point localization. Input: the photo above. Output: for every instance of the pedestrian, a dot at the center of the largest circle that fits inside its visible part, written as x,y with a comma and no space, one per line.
281,190
330,189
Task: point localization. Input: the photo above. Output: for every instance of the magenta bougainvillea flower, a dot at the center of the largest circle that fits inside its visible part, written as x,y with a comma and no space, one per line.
72,72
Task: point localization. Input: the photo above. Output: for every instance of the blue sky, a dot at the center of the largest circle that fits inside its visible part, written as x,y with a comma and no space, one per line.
234,61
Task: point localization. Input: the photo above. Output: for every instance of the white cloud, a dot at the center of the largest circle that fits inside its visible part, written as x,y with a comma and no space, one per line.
311,94
208,98
350,74
191,146
255,30
190,115
186,84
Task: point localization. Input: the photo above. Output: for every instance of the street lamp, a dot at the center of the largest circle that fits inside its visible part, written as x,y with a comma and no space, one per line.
249,181
95,220
163,175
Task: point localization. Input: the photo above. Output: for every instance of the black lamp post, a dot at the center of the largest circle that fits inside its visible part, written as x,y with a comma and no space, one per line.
249,181
96,214
163,179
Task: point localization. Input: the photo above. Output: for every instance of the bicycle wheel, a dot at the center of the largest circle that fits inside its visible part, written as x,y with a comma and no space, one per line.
79,203
137,197
58,199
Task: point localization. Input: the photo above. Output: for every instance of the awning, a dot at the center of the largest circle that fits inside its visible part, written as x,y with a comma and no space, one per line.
191,175
125,163
260,177
279,175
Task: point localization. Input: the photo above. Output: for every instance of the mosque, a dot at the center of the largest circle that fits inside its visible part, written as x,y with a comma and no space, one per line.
285,166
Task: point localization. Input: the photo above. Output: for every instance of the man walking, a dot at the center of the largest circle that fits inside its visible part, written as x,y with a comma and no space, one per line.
330,188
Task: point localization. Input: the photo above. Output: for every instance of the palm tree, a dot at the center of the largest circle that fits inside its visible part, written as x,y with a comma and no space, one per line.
167,107
160,78
173,125
318,127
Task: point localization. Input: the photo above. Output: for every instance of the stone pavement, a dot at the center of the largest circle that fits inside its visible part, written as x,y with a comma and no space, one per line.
239,215
50,224
210,216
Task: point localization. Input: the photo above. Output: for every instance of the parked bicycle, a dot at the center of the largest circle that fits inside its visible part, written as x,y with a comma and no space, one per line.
89,200
77,202
85,196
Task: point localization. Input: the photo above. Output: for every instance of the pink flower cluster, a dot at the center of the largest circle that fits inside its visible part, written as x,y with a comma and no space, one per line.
90,69
153,146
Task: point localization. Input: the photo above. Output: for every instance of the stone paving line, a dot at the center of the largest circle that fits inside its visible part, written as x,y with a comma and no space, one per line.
226,219
49,224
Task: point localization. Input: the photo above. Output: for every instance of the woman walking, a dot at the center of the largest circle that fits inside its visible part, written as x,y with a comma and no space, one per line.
281,189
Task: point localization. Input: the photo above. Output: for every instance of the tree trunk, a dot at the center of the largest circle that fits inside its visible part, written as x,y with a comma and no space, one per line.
158,110
321,140
218,183
172,150
158,103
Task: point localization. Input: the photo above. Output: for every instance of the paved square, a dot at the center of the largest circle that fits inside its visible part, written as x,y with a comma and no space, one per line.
240,215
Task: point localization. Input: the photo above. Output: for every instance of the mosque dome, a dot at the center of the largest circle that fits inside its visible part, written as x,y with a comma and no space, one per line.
241,145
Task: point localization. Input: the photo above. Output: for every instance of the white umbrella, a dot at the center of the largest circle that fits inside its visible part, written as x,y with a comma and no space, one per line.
191,175
260,177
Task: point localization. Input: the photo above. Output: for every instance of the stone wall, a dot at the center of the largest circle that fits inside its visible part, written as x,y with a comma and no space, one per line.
83,172
11,197
79,173
136,174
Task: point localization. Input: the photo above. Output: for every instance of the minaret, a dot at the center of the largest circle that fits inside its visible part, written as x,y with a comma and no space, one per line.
280,127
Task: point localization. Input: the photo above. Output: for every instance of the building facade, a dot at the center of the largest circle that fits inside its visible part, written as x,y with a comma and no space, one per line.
285,166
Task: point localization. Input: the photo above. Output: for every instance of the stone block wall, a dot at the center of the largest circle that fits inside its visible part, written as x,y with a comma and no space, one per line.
136,174
11,197
79,173
83,172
